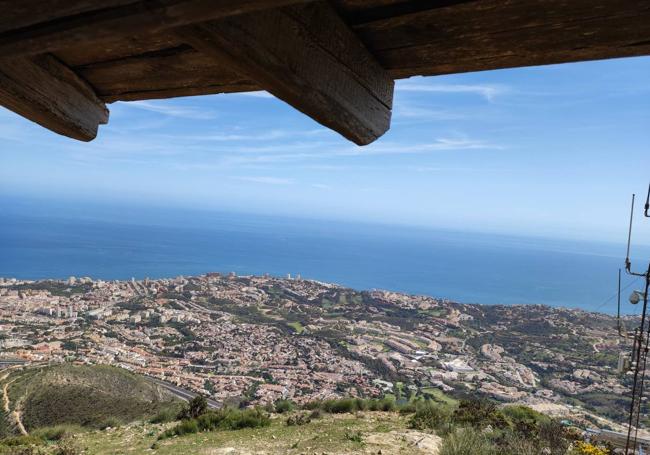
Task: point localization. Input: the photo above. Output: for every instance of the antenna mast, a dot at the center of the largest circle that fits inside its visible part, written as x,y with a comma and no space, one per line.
641,337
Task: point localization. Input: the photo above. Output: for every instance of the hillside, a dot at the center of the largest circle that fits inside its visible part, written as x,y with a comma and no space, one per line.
89,396
250,340
345,426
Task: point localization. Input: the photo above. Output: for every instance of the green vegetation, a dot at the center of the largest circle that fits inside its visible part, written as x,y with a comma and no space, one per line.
479,426
222,419
467,441
296,326
86,396
194,409
349,405
346,425
54,287
282,406
439,396
333,433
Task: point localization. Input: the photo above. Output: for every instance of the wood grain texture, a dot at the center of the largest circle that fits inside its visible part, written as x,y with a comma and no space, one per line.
493,34
47,92
49,31
116,48
308,57
180,71
17,14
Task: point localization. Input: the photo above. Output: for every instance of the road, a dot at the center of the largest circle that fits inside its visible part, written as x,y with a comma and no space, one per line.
181,393
4,363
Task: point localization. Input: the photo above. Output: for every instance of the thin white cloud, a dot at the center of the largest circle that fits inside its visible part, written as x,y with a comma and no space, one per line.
441,169
321,186
266,180
405,111
173,110
267,136
440,144
487,91
260,94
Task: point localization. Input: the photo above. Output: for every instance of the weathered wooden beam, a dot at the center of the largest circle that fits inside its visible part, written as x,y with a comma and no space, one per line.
49,93
493,34
179,71
308,57
98,20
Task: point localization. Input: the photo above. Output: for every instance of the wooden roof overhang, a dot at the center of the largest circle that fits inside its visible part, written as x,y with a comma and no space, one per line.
61,61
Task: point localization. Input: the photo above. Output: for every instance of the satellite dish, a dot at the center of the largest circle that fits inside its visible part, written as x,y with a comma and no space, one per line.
636,297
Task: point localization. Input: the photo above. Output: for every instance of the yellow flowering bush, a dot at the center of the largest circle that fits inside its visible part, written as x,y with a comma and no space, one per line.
584,448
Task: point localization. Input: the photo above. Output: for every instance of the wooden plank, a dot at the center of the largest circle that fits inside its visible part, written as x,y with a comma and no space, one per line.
117,48
493,34
106,23
357,12
171,91
47,92
179,71
306,56
25,13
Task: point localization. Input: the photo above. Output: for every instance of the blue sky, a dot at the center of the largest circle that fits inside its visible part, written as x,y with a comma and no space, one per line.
545,151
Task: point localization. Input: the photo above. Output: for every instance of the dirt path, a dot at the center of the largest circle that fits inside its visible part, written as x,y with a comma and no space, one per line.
15,414
5,396
19,422
600,340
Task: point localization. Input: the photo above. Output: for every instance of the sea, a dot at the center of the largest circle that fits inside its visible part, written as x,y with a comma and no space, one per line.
41,241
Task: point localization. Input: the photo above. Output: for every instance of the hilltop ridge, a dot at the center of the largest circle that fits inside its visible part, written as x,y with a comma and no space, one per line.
90,396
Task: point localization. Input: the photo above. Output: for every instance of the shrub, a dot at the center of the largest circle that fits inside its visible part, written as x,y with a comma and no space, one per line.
110,422
373,405
55,433
195,408
387,404
516,444
282,406
429,416
467,441
187,427
344,405
317,404
248,418
223,419
66,447
555,437
354,436
315,414
348,405
164,416
298,419
479,414
584,448
17,441
409,407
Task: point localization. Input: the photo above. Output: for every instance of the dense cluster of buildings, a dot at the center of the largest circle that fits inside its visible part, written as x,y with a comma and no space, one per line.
262,338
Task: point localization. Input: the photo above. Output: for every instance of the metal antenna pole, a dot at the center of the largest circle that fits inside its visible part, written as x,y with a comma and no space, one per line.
628,264
645,358
618,311
639,349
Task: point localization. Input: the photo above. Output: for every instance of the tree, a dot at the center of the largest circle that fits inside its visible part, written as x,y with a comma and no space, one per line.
195,408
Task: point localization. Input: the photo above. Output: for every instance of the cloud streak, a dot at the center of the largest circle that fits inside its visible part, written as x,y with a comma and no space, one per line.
489,92
265,180
172,109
